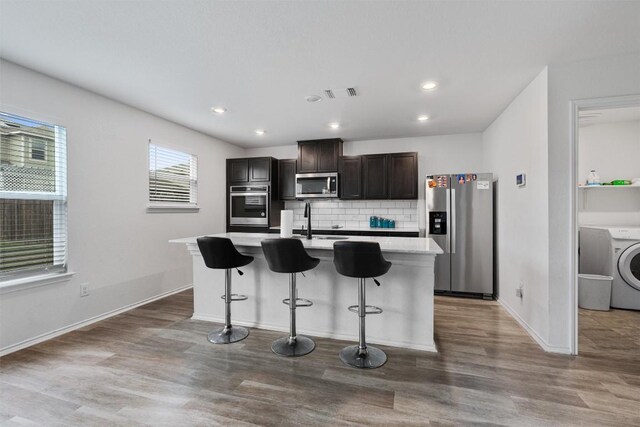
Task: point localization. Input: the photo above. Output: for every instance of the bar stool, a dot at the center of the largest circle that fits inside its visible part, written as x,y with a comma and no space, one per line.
289,256
219,253
361,260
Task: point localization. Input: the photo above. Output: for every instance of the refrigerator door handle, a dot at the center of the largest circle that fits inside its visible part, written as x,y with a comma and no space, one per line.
453,220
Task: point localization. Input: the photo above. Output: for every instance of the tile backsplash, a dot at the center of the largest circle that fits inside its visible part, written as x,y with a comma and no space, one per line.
355,213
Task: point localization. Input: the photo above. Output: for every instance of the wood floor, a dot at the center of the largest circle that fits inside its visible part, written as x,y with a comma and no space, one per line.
153,366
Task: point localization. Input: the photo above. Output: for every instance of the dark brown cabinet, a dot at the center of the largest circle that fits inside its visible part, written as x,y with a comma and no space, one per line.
374,176
379,176
350,180
319,155
260,169
254,169
238,170
287,179
403,175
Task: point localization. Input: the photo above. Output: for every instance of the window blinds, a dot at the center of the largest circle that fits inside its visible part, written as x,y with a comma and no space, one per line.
33,197
173,177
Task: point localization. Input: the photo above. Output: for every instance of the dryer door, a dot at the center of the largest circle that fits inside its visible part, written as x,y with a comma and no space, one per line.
629,265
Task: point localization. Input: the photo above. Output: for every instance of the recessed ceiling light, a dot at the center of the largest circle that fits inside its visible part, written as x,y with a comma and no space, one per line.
260,131
218,110
313,98
334,125
429,85
423,118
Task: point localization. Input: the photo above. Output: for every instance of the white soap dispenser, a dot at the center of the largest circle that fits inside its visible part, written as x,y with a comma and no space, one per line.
593,178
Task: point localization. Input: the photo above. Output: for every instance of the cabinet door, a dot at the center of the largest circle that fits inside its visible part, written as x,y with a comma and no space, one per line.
328,154
374,176
403,175
350,178
307,157
287,179
260,168
238,170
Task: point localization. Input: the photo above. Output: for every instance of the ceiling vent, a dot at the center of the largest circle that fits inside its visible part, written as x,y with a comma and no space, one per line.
340,93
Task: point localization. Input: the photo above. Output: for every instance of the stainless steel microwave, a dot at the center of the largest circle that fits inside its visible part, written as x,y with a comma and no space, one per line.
316,185
249,205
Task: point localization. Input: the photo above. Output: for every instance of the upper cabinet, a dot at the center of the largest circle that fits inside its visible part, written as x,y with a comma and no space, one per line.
402,175
319,155
374,176
253,169
238,170
287,179
379,176
350,180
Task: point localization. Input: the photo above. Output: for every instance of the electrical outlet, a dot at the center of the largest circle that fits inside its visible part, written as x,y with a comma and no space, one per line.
84,289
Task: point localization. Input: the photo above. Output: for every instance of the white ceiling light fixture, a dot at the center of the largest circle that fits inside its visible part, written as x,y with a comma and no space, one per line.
219,110
313,98
334,125
260,131
430,85
423,118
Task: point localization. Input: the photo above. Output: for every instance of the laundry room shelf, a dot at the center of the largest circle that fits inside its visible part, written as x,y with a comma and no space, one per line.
608,187
602,188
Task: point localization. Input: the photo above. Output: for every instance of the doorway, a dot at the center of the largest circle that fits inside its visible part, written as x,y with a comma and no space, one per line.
606,218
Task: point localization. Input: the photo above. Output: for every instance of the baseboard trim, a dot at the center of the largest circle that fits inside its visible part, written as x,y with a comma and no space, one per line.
49,335
316,333
537,338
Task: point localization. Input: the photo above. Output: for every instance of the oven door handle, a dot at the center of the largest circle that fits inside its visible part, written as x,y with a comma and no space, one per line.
248,194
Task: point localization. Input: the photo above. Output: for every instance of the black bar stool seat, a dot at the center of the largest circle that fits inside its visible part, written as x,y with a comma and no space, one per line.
220,253
361,260
289,256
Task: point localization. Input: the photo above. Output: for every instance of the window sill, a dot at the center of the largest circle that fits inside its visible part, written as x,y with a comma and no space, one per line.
172,208
34,282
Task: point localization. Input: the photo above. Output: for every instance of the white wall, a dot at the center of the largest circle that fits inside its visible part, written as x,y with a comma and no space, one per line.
114,244
613,150
436,154
602,77
516,142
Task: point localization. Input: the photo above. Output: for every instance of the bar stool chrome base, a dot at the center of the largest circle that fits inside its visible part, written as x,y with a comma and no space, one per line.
370,358
298,346
228,335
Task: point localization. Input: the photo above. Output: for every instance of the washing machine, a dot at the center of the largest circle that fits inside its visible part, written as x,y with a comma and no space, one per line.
615,252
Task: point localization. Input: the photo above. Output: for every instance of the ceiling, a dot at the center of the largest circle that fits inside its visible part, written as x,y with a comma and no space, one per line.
260,59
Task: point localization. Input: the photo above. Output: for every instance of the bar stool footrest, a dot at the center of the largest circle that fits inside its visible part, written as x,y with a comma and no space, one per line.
235,297
304,302
369,309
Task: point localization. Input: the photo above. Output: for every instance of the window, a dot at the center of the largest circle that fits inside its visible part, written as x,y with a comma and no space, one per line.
38,149
173,178
33,197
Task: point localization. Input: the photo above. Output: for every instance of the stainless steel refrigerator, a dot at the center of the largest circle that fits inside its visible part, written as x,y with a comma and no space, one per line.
459,218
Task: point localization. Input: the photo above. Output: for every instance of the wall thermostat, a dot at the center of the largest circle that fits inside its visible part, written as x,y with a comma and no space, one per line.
521,180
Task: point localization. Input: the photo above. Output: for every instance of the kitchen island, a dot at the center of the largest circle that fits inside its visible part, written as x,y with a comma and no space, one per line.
405,294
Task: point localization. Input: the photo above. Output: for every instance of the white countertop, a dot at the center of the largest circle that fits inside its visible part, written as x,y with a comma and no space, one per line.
378,229
414,245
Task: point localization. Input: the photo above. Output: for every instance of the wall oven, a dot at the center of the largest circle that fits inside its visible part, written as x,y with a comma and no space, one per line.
316,185
249,205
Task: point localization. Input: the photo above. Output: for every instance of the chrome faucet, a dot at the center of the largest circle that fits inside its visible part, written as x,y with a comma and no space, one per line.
307,214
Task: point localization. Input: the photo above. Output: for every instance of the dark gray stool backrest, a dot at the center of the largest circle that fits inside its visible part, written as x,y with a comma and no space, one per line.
359,259
287,256
219,252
